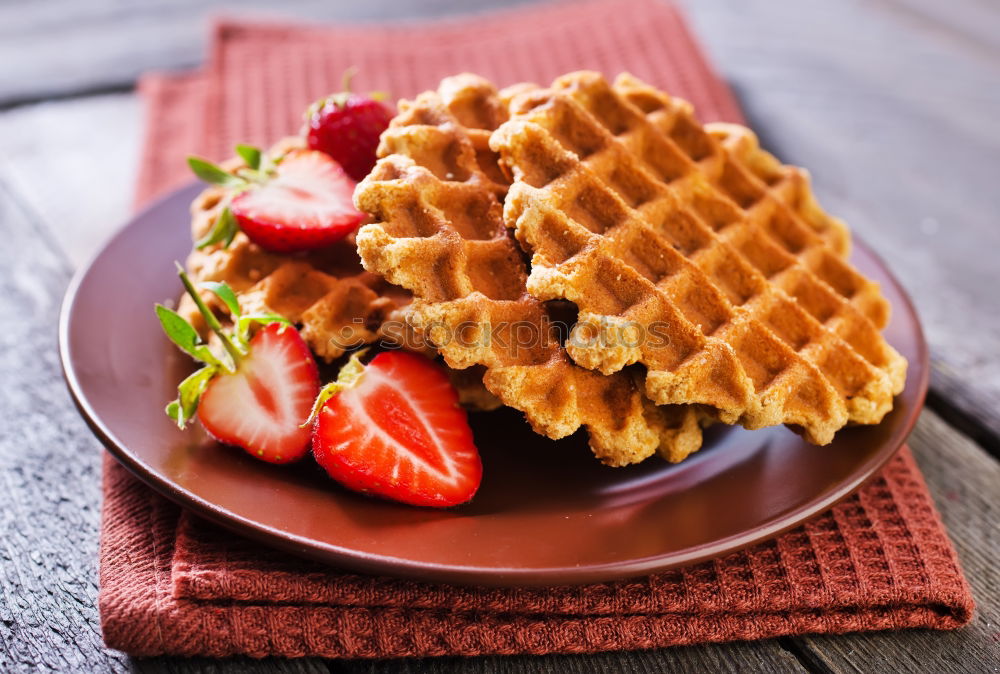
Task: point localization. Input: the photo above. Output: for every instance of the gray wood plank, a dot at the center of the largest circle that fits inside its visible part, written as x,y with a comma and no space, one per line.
112,43
74,164
965,484
973,27
898,127
49,471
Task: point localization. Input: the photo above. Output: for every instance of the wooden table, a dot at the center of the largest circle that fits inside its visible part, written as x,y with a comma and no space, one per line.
893,105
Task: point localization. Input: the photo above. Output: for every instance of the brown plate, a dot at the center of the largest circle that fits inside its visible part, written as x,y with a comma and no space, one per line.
547,513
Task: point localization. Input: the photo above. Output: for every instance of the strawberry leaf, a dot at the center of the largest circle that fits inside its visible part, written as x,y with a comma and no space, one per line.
226,294
244,323
214,174
229,343
183,334
173,410
347,378
250,154
223,230
189,392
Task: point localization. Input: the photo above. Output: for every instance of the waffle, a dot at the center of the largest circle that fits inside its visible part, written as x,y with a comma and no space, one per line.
642,218
788,184
438,231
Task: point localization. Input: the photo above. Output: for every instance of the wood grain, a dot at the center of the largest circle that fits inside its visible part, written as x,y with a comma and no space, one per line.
73,164
49,470
112,43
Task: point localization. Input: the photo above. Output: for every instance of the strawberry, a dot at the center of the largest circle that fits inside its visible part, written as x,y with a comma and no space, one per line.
347,127
394,429
260,406
255,395
307,204
299,201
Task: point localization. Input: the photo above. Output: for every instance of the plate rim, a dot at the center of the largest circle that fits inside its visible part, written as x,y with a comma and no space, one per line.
395,566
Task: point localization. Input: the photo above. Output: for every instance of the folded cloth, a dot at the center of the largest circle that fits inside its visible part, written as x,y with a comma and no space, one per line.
174,584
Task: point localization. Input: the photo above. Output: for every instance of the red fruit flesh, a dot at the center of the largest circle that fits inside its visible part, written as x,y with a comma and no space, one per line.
261,405
400,434
308,204
348,128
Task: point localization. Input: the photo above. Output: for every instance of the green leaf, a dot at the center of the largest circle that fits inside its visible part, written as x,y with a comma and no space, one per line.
183,334
224,229
213,174
226,294
250,155
226,339
173,411
347,378
189,391
244,323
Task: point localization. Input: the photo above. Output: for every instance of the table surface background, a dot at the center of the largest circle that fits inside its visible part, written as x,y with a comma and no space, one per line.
892,104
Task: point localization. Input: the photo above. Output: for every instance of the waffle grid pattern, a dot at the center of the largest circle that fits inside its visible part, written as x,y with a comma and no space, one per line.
622,220
439,232
804,249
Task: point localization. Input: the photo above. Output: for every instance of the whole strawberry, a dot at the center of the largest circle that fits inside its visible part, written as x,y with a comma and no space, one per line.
347,127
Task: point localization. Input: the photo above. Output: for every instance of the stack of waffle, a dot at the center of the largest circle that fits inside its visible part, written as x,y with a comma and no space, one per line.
709,284
596,258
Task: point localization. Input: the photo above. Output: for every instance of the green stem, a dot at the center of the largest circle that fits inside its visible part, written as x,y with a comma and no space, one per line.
209,316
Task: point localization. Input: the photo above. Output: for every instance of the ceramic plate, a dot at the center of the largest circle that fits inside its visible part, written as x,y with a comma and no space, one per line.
547,512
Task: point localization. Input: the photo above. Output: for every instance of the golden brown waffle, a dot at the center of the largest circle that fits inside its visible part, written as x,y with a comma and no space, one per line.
789,184
438,231
640,217
776,197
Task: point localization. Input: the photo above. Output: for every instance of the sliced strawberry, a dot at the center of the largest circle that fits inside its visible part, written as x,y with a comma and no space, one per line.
395,429
304,202
347,127
262,404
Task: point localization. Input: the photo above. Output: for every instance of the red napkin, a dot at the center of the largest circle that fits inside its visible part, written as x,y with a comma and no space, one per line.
174,584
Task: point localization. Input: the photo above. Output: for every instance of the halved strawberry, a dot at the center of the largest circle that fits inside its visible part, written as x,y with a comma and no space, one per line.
298,201
306,203
254,393
394,429
261,406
